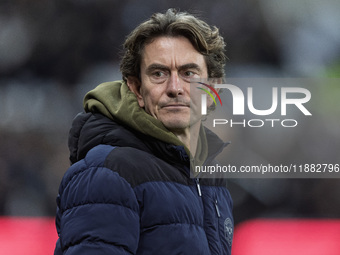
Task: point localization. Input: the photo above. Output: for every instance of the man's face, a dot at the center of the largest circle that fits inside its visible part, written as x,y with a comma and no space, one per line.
168,64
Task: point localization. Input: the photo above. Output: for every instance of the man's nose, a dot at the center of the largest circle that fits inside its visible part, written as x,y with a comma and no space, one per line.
175,86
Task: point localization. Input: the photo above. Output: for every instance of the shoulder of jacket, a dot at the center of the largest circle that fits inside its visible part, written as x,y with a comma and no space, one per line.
95,158
89,181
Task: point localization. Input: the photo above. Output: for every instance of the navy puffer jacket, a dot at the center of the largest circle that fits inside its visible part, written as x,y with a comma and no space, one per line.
128,193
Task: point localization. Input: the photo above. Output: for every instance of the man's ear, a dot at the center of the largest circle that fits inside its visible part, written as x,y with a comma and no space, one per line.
134,85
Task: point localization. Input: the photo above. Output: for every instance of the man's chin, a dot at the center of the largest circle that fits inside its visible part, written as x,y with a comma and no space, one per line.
177,125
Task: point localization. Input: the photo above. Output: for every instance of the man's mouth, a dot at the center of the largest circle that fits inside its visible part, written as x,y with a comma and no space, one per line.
176,105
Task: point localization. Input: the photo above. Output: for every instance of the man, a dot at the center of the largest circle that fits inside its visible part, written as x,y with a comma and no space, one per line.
129,189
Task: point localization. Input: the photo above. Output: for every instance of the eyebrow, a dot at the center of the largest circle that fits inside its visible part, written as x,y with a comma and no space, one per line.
190,66
156,66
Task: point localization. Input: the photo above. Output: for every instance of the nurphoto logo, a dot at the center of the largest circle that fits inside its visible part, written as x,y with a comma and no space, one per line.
281,99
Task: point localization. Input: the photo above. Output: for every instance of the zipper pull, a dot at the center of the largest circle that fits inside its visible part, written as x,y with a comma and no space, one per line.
198,187
217,210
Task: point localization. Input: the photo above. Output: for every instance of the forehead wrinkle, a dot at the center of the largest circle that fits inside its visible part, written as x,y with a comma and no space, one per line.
168,57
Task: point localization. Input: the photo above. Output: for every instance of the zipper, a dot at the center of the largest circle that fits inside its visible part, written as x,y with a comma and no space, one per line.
197,180
217,210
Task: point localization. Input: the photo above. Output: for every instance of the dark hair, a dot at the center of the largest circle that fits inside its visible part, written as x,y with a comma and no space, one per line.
204,38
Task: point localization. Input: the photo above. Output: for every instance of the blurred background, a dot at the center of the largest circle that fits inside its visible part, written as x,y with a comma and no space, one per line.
53,52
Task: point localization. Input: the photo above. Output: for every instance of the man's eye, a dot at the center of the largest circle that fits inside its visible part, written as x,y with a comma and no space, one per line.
189,73
158,74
